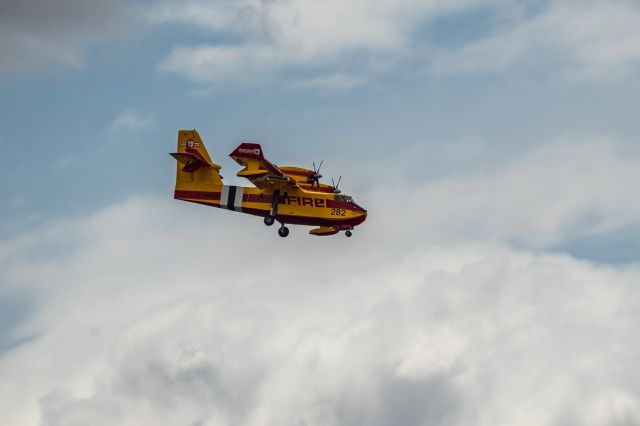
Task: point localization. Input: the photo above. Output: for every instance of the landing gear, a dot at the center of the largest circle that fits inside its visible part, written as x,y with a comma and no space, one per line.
283,231
348,233
271,217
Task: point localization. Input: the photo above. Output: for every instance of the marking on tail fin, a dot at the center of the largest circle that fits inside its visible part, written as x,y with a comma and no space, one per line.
190,144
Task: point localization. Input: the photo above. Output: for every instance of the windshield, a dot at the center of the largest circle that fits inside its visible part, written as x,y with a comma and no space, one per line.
348,199
344,198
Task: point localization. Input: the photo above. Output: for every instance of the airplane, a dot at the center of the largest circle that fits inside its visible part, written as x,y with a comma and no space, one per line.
288,195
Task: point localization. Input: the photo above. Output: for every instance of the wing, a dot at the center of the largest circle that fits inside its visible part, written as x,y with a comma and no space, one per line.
300,175
304,179
259,170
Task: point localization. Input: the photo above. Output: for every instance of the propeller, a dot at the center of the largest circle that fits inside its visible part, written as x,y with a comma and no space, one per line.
335,185
315,178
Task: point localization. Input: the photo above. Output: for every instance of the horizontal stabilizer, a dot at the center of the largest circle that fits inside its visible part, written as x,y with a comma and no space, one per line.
323,230
192,161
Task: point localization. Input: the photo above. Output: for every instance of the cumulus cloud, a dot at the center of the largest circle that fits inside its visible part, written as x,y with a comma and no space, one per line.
590,39
444,335
262,41
274,37
568,188
176,317
38,33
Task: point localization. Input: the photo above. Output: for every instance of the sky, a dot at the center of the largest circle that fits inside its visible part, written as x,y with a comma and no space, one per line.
495,144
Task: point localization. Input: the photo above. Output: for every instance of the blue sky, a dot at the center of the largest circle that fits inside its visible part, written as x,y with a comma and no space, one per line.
61,116
495,144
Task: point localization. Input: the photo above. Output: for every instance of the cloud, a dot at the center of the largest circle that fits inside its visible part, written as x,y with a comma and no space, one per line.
139,327
555,192
273,38
39,33
195,316
592,39
257,42
332,82
130,119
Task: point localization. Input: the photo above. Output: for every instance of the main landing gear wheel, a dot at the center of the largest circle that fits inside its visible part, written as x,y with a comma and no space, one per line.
271,217
283,231
348,233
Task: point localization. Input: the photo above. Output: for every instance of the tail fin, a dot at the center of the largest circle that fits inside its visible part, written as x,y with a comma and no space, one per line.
195,169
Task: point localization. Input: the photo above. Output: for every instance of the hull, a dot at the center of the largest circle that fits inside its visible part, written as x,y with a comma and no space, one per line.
296,207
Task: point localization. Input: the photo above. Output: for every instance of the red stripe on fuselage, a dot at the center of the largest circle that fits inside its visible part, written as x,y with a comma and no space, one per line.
203,197
259,198
198,195
305,202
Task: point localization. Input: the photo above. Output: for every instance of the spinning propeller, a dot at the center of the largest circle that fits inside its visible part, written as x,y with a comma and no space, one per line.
315,178
335,185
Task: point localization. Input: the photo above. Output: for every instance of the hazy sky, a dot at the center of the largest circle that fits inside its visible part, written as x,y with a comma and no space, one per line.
495,143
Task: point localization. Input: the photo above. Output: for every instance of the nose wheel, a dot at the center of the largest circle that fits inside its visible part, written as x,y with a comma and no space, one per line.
348,233
283,231
269,220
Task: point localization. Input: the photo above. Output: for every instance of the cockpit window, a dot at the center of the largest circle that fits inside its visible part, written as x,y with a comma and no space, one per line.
347,199
344,198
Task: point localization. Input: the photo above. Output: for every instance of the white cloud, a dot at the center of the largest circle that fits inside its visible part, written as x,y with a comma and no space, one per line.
332,82
589,39
557,191
274,40
130,119
258,41
279,36
150,320
197,316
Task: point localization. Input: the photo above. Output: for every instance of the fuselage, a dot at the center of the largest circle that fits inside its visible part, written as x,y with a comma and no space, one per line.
295,206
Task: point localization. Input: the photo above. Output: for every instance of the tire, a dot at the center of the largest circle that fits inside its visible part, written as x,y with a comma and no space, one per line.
348,233
283,232
269,220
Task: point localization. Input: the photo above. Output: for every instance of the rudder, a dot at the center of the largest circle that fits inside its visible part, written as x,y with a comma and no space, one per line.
195,170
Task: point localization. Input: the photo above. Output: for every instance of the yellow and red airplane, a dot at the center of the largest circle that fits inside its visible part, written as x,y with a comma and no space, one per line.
289,195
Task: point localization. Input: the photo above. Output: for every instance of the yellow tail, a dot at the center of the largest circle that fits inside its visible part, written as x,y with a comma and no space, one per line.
195,169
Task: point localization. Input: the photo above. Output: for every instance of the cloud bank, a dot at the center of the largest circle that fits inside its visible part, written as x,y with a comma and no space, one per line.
153,311
299,40
591,39
571,187
303,43
307,37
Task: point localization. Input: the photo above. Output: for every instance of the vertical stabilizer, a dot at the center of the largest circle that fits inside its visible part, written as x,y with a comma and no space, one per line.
195,169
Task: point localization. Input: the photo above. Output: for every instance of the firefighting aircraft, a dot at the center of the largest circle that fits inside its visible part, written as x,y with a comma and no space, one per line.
289,195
